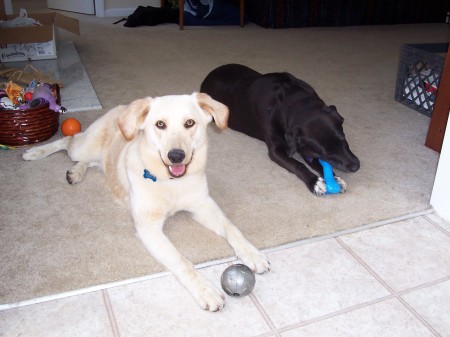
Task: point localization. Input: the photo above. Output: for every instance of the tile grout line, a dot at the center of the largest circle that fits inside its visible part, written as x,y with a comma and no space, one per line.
423,286
438,226
395,294
110,311
366,267
334,314
265,316
392,295
418,316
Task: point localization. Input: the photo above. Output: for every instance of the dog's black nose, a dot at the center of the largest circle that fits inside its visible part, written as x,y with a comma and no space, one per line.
353,167
176,156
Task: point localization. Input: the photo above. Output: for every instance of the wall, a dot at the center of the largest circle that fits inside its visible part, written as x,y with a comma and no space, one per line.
113,8
440,197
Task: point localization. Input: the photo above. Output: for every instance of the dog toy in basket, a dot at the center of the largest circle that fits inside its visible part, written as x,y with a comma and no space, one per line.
332,185
34,119
46,93
16,97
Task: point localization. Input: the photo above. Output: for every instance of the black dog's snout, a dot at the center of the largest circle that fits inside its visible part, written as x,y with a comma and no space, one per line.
352,164
353,167
176,156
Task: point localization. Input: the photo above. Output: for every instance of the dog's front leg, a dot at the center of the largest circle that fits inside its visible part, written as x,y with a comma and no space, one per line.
278,153
149,227
211,216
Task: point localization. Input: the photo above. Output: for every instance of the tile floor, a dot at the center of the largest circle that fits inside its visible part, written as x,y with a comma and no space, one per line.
388,280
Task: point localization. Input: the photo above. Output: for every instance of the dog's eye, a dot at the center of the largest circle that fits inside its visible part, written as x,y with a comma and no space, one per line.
160,125
189,123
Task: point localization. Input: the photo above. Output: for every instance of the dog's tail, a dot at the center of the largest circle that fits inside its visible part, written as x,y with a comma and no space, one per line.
42,151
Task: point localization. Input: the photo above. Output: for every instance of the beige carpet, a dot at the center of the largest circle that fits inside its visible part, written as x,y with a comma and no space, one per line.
55,237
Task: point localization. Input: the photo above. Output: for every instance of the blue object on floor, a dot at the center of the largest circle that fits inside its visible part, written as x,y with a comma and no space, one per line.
211,13
332,185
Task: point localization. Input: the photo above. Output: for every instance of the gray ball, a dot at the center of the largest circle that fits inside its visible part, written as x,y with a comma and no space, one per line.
238,280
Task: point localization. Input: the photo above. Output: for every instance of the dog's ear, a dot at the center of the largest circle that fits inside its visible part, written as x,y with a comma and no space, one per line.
132,118
294,141
291,142
214,108
333,111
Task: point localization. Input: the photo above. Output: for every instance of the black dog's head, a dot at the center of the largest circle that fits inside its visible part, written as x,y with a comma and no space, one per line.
321,135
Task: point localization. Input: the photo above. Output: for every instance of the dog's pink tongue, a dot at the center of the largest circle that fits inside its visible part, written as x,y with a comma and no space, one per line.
177,170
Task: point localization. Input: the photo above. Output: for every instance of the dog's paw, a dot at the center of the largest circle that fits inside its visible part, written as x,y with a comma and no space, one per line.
71,177
320,187
207,296
33,154
255,260
76,174
341,183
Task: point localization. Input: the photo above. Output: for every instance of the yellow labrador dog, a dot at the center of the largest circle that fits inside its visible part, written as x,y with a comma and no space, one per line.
153,153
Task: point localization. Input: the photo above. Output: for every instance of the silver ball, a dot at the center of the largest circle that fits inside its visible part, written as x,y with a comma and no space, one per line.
238,280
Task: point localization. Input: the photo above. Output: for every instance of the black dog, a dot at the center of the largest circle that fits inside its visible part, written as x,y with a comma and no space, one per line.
288,115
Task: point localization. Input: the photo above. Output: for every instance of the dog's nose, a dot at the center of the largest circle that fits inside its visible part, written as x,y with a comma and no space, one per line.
176,156
354,166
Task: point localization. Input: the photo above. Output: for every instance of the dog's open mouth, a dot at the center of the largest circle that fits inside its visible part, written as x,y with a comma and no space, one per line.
177,170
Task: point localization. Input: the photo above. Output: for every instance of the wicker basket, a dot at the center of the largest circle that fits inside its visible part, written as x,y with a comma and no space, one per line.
30,126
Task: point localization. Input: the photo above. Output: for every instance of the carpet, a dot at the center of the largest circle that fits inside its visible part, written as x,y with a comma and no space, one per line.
56,237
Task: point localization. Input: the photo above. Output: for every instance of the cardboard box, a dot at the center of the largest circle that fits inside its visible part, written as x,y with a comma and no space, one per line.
36,42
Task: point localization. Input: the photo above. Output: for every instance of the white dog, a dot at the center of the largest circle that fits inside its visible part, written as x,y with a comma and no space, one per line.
153,153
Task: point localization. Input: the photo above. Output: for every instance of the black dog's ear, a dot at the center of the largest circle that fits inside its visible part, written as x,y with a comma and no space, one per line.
277,95
333,111
293,141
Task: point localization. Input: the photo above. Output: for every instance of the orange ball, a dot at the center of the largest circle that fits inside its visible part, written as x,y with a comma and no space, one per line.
70,127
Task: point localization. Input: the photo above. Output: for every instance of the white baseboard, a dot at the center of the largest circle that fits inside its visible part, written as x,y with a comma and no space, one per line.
124,12
119,12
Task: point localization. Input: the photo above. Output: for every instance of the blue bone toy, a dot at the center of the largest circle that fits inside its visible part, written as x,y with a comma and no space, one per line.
148,175
332,185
